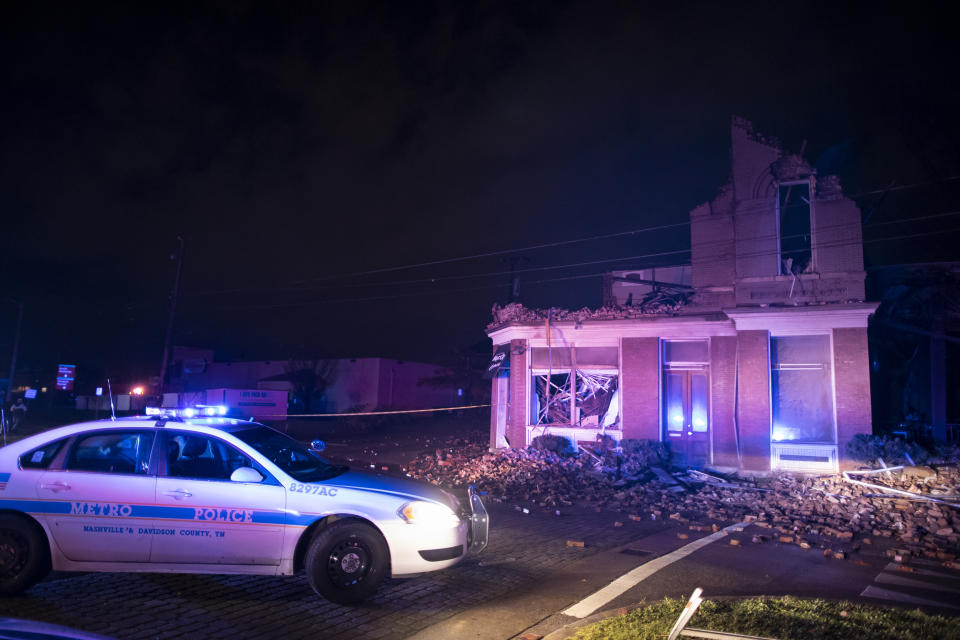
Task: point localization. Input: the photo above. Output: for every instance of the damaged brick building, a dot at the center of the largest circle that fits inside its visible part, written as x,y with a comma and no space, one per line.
754,356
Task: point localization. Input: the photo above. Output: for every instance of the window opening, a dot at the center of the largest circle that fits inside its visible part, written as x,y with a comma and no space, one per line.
41,457
585,396
795,227
553,398
112,452
596,399
197,456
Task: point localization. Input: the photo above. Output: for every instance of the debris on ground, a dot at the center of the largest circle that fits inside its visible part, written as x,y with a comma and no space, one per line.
915,506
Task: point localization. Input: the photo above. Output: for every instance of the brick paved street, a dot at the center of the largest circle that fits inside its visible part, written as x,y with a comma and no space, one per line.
524,549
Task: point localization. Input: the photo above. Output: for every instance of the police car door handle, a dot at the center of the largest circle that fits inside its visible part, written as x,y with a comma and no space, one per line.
56,486
179,494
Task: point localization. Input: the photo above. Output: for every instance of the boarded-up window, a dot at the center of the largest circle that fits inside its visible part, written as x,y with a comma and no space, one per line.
802,389
555,357
598,357
685,352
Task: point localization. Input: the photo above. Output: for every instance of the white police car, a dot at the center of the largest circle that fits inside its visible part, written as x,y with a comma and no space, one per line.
209,494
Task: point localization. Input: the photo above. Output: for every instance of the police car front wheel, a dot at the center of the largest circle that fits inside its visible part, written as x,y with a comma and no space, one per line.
24,554
347,561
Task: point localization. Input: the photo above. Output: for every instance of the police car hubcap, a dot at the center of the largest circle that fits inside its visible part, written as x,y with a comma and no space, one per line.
348,563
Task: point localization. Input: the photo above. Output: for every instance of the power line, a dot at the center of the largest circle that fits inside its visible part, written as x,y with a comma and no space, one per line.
704,245
828,245
561,243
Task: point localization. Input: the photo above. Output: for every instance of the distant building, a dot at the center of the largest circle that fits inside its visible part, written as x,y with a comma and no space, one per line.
754,356
351,384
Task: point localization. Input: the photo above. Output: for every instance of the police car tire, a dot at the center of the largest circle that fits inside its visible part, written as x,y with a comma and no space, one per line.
346,544
27,550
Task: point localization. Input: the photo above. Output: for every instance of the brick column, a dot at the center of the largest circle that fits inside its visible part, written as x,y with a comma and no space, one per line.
519,403
851,370
640,387
753,399
723,389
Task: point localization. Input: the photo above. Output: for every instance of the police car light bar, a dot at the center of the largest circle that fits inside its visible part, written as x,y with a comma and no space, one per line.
212,409
188,412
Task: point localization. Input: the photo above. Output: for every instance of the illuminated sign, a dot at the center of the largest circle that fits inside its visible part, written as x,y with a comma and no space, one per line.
499,362
30,394
65,376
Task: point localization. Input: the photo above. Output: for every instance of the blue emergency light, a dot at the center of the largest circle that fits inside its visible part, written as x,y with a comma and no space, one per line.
189,412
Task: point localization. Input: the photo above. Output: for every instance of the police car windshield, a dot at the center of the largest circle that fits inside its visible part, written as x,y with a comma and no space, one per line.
294,458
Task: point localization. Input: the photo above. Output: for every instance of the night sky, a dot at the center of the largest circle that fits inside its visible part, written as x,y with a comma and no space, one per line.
305,152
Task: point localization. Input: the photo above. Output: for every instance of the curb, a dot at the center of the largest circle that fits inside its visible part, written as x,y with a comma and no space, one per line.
570,629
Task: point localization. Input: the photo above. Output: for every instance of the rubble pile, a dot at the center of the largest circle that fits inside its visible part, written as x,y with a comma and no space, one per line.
831,512
534,475
655,303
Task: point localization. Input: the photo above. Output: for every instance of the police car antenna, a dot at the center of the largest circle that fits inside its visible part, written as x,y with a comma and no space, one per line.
113,414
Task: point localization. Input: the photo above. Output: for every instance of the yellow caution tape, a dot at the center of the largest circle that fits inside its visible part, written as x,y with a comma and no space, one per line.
371,413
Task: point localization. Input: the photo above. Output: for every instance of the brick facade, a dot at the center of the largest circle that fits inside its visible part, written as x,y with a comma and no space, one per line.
753,399
723,389
519,403
851,362
640,387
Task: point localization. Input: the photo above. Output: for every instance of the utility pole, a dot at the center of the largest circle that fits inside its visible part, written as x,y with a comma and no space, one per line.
16,347
173,311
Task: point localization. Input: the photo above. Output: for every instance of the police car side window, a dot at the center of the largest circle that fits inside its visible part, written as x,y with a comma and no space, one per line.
41,457
201,457
125,452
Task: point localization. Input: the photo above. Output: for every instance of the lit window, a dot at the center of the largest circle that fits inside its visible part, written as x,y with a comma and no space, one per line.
802,389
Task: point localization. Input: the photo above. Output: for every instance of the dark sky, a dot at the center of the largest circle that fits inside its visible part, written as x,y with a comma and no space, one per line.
294,145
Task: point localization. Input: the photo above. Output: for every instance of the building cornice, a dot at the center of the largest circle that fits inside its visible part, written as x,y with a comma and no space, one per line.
608,332
803,319
777,320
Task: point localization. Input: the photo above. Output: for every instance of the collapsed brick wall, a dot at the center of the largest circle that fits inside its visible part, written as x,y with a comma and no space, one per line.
735,241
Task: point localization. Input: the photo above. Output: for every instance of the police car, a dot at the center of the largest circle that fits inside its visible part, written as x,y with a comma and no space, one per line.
193,491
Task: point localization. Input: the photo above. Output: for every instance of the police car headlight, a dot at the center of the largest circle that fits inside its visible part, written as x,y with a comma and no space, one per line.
429,514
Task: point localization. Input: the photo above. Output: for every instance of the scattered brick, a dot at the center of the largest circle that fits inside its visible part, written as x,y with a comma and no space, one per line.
821,510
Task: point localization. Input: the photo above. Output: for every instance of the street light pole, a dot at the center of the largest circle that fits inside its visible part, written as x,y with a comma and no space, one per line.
16,347
173,311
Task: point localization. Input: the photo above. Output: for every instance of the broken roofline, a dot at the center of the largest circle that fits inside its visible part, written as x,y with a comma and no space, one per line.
516,313
779,320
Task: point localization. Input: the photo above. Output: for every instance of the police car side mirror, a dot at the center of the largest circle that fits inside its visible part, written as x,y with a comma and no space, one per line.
318,445
246,474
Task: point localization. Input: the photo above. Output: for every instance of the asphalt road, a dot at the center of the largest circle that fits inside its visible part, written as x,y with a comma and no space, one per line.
533,571
523,582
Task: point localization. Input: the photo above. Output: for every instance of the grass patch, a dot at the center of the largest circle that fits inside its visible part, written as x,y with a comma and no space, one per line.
782,618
